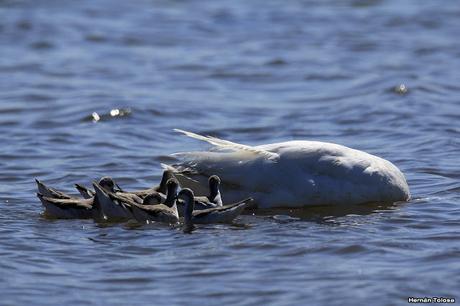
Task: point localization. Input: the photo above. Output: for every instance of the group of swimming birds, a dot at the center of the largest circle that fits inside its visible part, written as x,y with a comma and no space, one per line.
278,175
164,203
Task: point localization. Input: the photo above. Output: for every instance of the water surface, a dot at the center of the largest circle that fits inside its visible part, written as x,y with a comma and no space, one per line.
380,76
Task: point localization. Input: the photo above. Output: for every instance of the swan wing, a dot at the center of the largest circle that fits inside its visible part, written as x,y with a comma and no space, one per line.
229,145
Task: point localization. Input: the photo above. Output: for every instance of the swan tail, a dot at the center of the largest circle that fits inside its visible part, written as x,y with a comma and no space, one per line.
228,145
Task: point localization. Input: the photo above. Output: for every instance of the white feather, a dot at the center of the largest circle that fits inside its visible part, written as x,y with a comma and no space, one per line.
225,144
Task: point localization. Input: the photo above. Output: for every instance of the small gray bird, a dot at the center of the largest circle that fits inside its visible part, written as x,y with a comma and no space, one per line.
154,210
221,214
162,188
62,206
120,207
110,183
50,192
213,200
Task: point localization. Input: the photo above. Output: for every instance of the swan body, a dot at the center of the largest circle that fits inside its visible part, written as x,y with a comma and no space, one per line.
293,173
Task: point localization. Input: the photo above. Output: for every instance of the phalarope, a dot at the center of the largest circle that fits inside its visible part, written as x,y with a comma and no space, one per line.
50,192
162,188
212,200
119,206
165,212
67,208
59,205
222,214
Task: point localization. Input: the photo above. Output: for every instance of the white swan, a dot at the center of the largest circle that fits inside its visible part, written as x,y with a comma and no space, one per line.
292,174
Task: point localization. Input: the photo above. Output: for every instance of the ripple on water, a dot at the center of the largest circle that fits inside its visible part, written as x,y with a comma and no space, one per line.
81,101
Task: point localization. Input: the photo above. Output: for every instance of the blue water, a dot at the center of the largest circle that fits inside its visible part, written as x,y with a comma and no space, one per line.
379,76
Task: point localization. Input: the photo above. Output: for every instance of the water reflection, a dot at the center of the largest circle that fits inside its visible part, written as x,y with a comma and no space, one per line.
377,75
327,214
